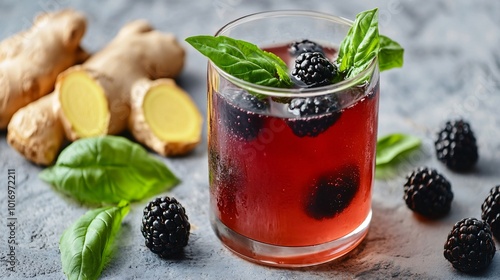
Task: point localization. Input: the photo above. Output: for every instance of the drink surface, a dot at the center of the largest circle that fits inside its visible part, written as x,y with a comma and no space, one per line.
271,185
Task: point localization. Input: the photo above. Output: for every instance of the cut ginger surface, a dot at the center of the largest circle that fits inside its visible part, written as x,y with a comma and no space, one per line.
84,104
171,114
165,118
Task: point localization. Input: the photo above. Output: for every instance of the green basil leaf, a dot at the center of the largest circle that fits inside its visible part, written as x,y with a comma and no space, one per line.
391,146
361,45
243,60
107,170
390,54
86,244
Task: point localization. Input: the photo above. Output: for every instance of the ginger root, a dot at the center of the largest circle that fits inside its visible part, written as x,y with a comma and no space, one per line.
132,73
36,132
164,118
31,60
94,98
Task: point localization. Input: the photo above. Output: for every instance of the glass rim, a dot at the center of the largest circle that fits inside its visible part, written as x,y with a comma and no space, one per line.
293,92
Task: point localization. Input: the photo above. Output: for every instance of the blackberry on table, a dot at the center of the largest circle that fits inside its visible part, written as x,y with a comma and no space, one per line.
490,211
316,114
314,69
456,146
428,193
300,47
332,193
165,227
470,246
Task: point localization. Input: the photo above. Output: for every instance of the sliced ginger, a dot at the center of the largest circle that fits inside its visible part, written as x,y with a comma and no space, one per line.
76,92
171,114
165,118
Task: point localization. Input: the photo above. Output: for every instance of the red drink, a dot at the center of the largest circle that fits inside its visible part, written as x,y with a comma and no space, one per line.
291,169
274,186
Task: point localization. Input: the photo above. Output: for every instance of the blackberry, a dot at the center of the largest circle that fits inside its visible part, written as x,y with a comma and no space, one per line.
316,114
314,69
490,211
456,146
300,47
332,193
165,227
240,115
249,101
310,106
428,193
470,247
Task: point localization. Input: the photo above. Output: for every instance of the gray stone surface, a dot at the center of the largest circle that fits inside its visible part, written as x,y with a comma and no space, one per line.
452,68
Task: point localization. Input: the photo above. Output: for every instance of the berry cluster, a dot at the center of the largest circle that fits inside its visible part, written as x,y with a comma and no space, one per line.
490,211
456,146
165,227
332,193
297,48
428,193
469,246
309,107
240,115
312,68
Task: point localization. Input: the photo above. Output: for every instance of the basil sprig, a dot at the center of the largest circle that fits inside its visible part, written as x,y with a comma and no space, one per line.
390,54
363,43
86,244
243,60
108,169
392,146
248,62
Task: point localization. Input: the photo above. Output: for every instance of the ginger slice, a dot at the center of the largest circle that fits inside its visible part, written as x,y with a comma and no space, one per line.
165,118
76,91
170,113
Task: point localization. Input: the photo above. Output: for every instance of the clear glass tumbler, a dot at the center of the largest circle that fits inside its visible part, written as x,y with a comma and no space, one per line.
287,189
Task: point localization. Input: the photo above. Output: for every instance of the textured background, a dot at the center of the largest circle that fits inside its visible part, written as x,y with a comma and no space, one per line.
452,68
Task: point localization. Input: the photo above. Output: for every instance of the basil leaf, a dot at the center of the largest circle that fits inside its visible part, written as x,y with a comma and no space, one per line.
86,244
243,60
390,54
391,146
361,45
107,170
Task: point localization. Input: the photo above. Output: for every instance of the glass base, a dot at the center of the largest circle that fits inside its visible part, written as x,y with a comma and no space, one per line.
283,256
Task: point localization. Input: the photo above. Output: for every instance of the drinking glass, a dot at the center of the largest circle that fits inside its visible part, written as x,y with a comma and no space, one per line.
286,188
